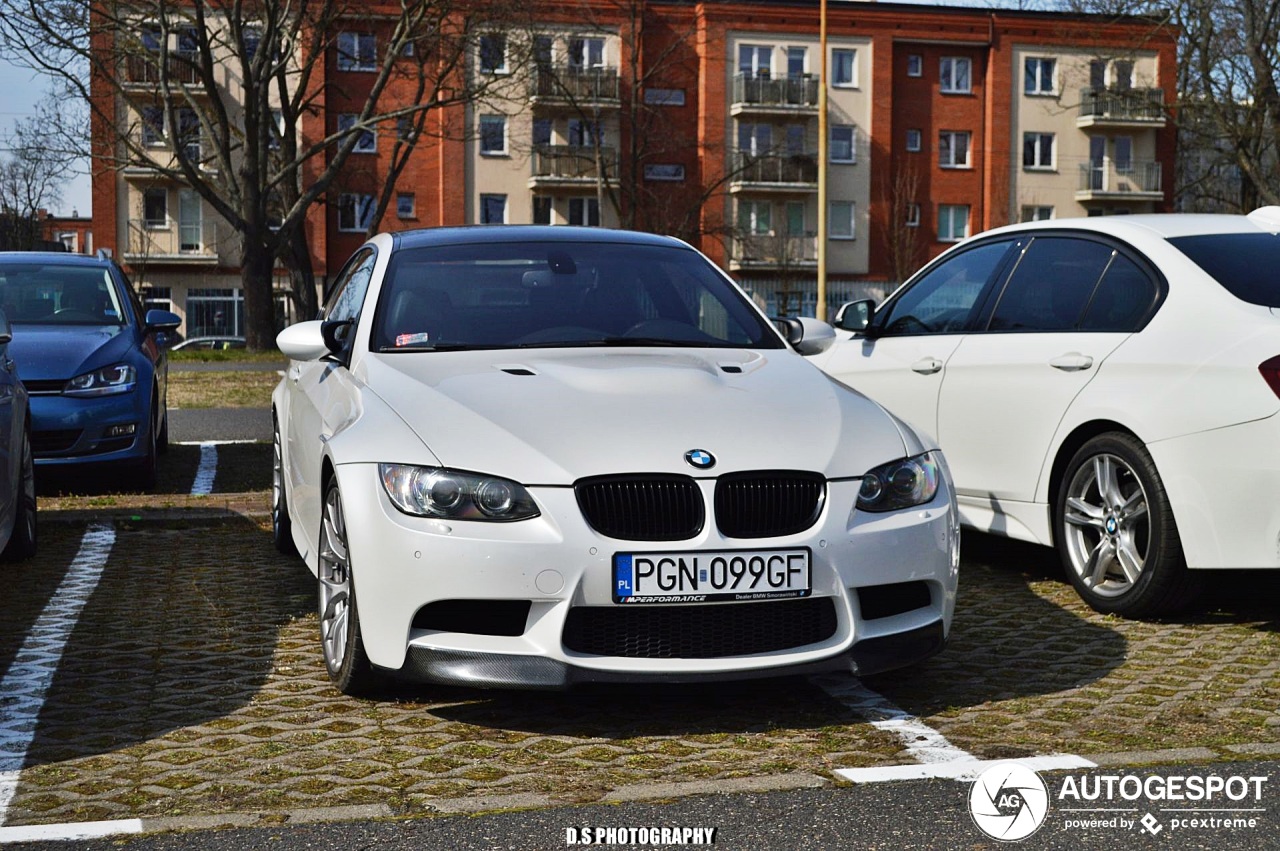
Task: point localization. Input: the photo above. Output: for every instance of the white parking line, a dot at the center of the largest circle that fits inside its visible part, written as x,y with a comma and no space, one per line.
936,756
29,676
64,832
203,484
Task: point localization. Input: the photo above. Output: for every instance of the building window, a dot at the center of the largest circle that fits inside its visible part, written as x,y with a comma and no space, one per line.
913,140
844,67
155,208
189,134
215,311
953,222
405,131
1037,150
664,97
493,135
915,65
1038,74
406,205
357,52
277,130
152,126
493,209
955,74
953,148
156,298
1037,214
797,60
409,50
755,217
584,211
584,134
493,54
673,172
755,60
152,37
366,140
542,209
586,53
840,220
542,131
355,212
841,144
912,218
1124,154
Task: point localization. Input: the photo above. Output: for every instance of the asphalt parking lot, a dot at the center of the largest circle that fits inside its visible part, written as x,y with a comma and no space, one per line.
191,685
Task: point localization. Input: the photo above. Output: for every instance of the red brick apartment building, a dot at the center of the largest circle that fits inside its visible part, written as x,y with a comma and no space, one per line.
942,122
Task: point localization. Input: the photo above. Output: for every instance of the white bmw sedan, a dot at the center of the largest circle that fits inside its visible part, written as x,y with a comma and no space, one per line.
532,457
1108,386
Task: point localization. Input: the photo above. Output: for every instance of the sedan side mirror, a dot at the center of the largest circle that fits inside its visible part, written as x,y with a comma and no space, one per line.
807,335
161,320
303,341
855,315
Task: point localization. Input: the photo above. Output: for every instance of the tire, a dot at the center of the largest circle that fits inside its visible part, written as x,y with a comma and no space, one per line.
1116,533
145,470
162,438
340,639
22,540
281,523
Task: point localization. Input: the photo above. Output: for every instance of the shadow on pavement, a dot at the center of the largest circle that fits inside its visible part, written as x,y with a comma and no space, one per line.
240,467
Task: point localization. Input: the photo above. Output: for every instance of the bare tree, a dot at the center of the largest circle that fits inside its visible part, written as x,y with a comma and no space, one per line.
31,180
235,90
903,244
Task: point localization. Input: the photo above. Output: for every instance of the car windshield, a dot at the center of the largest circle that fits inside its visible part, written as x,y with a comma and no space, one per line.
1244,263
59,294
551,294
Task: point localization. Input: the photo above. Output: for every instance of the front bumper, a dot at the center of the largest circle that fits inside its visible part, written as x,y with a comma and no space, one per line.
559,565
73,430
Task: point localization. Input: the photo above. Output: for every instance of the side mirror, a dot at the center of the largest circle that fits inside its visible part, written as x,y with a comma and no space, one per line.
855,315
161,320
335,333
807,335
303,341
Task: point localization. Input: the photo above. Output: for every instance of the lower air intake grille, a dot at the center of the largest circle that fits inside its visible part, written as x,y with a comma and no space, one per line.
766,504
642,508
699,632
59,440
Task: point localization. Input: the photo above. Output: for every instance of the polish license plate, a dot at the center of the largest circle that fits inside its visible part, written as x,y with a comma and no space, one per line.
710,577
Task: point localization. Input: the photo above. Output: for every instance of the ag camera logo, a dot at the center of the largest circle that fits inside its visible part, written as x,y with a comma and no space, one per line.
1008,802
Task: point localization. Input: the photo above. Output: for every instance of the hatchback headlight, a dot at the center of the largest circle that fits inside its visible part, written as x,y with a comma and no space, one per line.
120,378
438,492
900,484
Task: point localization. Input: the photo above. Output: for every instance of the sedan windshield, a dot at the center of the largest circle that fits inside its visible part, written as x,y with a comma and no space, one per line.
556,294
55,294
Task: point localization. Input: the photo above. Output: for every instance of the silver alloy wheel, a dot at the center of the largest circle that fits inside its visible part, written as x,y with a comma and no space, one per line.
335,582
277,477
1106,525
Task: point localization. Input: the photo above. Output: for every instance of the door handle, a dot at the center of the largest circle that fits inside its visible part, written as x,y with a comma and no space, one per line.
1071,362
926,366
295,372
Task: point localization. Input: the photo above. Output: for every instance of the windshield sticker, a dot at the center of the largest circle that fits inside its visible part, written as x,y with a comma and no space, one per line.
412,339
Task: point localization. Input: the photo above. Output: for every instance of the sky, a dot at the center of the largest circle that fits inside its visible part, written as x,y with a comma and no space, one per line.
20,90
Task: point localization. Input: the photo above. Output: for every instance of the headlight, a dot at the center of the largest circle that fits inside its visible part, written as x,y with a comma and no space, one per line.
120,378
437,492
900,484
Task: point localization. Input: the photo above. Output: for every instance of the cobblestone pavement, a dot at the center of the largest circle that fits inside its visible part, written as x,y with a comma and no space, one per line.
193,685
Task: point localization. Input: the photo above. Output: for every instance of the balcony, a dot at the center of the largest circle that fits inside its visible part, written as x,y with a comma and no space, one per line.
172,242
568,165
774,172
767,96
143,70
1105,181
1121,108
571,85
772,252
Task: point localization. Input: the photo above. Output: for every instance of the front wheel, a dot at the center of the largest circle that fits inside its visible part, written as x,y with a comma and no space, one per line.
1116,533
281,523
22,540
340,639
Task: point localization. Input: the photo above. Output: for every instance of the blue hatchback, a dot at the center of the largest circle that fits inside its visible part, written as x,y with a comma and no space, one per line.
90,360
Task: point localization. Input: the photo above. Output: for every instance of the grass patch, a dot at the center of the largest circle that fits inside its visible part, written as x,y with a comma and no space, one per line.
237,389
225,355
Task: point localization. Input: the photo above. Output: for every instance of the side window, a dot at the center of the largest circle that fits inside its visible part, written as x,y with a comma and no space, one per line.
942,301
348,292
1122,301
1050,285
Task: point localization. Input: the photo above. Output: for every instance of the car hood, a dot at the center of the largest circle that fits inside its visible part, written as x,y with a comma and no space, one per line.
557,415
46,352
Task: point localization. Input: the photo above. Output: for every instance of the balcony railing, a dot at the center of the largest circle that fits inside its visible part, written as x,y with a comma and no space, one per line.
1126,106
777,169
574,84
569,162
797,92
1100,178
770,251
171,241
145,68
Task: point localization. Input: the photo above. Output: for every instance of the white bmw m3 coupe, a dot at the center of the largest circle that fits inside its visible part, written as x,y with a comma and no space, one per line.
528,457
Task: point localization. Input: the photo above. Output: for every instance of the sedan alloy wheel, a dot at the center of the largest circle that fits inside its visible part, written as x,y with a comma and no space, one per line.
340,640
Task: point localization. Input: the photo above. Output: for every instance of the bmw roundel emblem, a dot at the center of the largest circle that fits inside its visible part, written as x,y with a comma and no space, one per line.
700,458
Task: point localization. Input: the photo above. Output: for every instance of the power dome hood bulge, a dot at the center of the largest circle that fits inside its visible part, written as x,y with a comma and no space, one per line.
585,412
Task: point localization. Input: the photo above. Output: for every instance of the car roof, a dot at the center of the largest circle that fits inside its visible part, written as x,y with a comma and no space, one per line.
1163,225
55,258
526,233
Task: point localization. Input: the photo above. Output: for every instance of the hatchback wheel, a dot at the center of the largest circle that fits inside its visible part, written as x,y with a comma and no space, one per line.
1116,532
340,640
22,540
